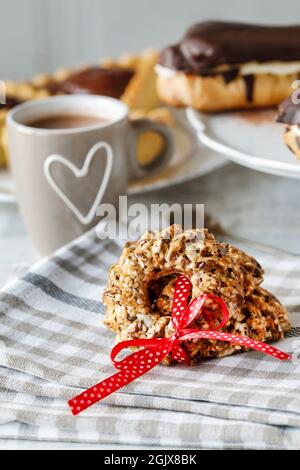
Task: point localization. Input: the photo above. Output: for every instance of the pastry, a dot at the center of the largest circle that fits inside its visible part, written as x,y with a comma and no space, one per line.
10,102
289,114
142,92
16,93
3,159
94,81
131,78
140,291
225,66
150,144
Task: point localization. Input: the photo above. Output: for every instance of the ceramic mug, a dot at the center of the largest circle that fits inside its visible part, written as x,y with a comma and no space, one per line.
63,175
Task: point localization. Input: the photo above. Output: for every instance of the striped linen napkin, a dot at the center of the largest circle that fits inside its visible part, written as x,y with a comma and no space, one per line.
53,344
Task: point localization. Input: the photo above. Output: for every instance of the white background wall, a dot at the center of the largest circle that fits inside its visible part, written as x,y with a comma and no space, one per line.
42,35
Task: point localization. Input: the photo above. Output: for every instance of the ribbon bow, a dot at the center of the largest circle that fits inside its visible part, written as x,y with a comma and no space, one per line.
154,351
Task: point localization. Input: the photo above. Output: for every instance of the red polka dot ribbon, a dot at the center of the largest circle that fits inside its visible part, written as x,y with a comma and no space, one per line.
153,351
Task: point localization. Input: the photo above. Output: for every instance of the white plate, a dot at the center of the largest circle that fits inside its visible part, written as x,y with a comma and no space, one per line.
250,138
189,161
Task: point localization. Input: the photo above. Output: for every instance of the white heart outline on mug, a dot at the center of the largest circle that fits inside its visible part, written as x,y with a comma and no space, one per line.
81,173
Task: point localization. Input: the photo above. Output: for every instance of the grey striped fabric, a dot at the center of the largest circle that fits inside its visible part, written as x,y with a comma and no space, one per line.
53,344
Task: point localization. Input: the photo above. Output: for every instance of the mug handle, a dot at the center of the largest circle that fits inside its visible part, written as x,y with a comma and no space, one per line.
140,127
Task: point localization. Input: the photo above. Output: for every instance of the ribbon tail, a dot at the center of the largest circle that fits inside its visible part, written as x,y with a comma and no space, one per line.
131,368
239,340
98,392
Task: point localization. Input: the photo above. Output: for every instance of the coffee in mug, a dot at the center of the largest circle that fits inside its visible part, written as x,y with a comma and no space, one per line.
69,154
66,121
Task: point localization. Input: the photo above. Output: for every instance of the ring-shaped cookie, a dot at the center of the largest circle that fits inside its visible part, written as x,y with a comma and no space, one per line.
138,297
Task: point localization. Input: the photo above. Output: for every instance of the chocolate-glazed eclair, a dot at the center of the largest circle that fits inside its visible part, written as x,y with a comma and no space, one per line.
94,80
222,66
289,114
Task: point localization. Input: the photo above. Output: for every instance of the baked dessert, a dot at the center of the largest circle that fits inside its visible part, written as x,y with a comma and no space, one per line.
94,81
141,285
12,100
131,78
224,66
289,114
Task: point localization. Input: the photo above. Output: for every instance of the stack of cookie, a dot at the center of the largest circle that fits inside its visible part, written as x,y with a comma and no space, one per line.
141,286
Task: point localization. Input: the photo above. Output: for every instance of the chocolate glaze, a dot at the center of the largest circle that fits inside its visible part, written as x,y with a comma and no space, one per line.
96,81
249,83
289,112
173,58
52,87
10,103
210,44
228,75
